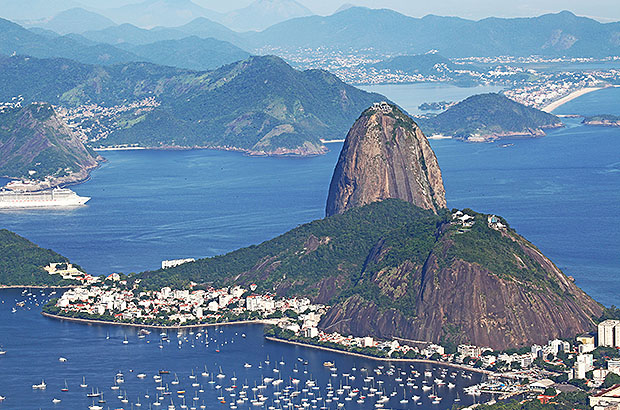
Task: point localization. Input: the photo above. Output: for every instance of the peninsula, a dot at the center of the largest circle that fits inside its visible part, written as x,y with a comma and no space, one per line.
37,147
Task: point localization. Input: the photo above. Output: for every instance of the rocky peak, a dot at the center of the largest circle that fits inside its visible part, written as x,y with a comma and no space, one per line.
385,155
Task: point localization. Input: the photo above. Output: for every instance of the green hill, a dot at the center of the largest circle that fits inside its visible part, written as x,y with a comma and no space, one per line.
391,269
259,105
489,116
22,262
35,144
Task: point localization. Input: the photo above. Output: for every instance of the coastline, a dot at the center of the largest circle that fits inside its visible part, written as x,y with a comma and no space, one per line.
380,359
104,322
280,152
575,94
36,287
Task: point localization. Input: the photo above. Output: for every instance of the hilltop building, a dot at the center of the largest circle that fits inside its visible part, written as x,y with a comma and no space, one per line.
175,262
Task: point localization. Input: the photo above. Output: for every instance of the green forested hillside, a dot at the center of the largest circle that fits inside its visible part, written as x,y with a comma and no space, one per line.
260,104
35,143
22,262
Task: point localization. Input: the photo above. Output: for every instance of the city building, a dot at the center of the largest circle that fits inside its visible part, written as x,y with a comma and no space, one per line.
175,262
609,333
606,398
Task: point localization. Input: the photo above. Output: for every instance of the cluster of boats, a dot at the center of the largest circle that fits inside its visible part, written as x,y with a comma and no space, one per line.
365,387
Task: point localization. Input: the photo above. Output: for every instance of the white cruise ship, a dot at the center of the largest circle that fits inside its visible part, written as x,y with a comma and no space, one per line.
58,197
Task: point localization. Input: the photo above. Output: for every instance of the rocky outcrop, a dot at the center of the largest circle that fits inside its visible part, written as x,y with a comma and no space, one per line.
385,155
35,144
464,301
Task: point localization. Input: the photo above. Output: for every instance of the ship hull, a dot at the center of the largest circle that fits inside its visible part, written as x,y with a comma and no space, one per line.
56,198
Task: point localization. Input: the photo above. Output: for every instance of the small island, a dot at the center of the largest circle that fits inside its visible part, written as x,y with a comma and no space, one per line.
489,117
436,106
605,120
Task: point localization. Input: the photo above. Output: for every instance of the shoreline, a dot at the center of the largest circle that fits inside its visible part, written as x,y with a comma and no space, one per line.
161,327
380,359
36,287
575,94
248,152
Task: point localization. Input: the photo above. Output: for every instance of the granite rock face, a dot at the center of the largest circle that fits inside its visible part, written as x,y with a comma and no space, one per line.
385,155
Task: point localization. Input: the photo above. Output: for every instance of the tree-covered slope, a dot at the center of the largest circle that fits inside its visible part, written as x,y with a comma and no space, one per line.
35,143
489,116
259,105
391,269
22,262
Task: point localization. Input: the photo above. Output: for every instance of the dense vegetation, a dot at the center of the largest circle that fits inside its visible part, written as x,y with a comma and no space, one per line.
33,139
563,401
319,250
370,251
260,104
489,115
22,262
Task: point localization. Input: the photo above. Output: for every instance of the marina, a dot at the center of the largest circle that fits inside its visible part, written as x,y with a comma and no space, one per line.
224,367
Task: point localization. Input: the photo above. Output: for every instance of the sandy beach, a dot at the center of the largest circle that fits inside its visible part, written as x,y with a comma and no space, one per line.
575,94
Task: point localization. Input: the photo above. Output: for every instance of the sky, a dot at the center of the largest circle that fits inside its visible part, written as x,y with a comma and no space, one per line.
603,10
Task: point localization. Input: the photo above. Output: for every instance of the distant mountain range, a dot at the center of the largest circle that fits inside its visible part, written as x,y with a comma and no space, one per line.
263,13
75,20
190,52
152,13
485,117
258,15
260,105
389,32
184,51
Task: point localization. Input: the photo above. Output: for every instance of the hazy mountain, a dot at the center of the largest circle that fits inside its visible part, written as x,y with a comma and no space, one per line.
390,32
191,52
76,20
264,13
128,33
205,28
151,13
200,27
14,39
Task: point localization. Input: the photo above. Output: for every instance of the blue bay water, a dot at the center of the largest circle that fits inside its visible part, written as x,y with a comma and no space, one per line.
562,192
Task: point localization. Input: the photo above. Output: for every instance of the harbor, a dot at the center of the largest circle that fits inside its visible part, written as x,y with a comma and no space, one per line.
221,366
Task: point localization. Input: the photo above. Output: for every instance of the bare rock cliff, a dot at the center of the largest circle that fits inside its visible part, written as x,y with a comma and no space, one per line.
385,155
